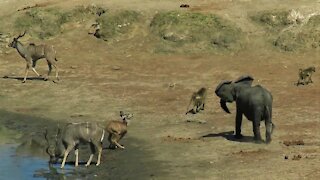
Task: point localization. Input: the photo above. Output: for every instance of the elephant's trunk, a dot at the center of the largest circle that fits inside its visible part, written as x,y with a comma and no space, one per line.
223,105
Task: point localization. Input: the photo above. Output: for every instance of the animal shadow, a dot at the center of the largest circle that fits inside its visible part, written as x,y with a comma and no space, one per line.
21,78
229,135
112,147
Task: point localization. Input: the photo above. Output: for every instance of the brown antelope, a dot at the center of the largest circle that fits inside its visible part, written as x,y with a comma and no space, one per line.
32,53
118,129
71,136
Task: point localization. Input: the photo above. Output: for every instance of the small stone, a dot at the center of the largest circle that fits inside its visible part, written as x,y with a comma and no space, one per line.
73,67
297,157
116,67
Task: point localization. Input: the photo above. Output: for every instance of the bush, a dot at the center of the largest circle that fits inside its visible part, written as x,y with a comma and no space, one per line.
306,37
45,23
203,31
274,20
118,23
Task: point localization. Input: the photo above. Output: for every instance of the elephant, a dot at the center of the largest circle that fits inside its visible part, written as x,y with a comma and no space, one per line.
255,102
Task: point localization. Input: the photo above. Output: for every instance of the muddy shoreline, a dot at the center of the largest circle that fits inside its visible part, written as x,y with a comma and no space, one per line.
133,162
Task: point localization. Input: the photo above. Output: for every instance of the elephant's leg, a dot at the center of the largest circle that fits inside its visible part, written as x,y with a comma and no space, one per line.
269,125
256,128
238,124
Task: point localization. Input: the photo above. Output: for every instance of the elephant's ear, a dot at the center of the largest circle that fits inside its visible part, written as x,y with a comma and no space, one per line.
225,94
220,85
245,79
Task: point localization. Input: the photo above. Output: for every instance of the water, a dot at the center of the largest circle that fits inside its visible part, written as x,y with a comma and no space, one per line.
24,167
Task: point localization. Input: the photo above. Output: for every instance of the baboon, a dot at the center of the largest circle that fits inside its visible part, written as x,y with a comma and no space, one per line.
32,53
305,75
118,129
198,98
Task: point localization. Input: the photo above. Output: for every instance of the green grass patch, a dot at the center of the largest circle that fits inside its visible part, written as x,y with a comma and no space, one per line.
45,23
306,36
288,36
273,20
117,23
201,32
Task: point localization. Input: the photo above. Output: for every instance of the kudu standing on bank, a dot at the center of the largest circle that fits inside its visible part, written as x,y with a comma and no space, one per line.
118,129
32,53
71,136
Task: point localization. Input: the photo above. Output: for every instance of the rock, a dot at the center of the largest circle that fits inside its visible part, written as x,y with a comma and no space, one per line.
293,143
73,67
297,157
172,85
116,68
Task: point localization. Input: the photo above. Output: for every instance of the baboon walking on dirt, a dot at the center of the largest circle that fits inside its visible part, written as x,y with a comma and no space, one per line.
198,98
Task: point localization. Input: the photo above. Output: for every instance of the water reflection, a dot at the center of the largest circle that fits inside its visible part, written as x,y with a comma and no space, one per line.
25,167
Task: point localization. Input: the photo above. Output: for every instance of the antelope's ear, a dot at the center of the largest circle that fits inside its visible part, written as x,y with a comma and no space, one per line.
245,79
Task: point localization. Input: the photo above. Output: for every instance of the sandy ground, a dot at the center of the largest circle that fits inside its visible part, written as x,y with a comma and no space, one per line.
161,144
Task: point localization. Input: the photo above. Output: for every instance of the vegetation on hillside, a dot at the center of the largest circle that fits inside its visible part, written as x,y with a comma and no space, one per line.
188,31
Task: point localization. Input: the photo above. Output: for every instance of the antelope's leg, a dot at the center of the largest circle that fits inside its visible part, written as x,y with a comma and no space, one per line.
76,152
99,153
49,70
114,141
92,147
26,72
66,153
57,73
33,68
